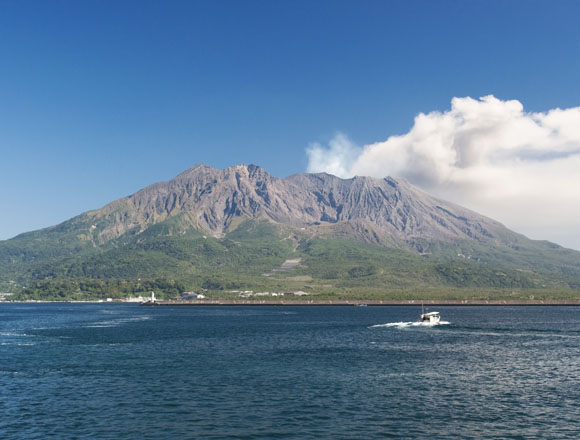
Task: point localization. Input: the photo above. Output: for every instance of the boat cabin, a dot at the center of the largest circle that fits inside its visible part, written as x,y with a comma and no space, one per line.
431,317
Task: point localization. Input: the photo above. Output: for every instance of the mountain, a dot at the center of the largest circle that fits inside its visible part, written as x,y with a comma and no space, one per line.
394,210
207,225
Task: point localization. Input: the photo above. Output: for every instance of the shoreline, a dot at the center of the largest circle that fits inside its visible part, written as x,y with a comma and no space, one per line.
315,303
367,303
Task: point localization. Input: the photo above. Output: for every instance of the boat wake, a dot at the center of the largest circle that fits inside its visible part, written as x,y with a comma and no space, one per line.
116,322
411,324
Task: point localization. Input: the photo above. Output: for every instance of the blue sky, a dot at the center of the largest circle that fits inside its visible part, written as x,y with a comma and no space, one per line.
101,98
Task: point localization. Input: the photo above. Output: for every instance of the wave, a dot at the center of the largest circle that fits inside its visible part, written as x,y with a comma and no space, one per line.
19,335
20,344
410,324
116,322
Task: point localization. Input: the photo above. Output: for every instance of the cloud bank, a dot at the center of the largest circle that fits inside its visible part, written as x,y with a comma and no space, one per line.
486,154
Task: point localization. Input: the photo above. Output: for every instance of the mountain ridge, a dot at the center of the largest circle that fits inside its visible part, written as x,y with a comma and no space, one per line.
302,200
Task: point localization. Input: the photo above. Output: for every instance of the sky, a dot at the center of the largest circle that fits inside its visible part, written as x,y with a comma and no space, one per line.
473,101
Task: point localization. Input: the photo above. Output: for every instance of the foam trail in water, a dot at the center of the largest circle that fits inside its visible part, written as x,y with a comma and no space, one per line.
116,322
411,324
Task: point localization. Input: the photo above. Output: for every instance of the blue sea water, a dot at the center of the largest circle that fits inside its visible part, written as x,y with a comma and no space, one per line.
121,371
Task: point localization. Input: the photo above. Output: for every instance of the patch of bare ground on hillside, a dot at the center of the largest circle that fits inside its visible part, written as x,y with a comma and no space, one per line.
286,265
299,278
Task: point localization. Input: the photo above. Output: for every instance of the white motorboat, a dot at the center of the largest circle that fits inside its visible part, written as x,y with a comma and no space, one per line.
429,318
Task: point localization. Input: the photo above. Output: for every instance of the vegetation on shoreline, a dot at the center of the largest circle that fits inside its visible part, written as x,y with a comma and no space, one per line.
91,289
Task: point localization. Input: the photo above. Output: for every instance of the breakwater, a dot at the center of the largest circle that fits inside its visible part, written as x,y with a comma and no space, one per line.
364,303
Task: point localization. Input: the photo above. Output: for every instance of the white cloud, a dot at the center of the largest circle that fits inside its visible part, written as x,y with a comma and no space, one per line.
336,159
486,154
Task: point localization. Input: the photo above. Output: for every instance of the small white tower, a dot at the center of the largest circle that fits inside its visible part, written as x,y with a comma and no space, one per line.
152,297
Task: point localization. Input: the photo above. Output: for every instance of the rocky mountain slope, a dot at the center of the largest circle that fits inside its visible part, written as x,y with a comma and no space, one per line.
389,211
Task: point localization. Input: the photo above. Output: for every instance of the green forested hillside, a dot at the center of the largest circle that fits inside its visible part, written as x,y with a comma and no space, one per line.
168,260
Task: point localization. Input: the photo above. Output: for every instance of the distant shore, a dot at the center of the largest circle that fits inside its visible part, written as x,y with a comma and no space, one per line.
367,303
372,303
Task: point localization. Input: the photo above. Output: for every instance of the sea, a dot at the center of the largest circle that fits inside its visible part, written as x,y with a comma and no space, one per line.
122,371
